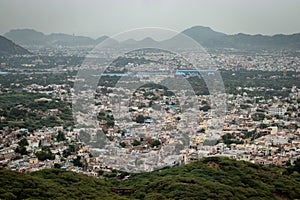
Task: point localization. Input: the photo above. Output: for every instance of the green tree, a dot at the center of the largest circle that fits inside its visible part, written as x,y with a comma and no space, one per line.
123,144
21,150
77,162
263,126
45,154
140,119
56,165
136,143
155,143
23,142
100,172
205,108
60,136
66,153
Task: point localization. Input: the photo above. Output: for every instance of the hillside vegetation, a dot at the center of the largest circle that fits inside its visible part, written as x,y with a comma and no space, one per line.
209,178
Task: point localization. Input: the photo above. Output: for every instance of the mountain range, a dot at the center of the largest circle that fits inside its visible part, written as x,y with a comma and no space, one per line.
212,39
205,36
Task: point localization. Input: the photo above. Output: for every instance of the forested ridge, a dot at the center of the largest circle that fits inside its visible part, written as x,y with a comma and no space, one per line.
209,178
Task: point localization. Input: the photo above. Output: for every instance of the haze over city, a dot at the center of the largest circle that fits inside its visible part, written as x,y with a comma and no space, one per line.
108,17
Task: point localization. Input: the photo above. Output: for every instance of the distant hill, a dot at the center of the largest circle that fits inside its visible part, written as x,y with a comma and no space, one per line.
209,178
30,37
7,47
26,37
212,39
206,36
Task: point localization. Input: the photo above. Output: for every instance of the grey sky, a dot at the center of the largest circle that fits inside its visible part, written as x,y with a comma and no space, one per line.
107,17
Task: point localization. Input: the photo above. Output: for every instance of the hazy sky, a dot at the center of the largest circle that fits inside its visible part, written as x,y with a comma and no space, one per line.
108,17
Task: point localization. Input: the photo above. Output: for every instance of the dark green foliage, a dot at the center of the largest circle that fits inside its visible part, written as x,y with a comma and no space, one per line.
20,110
135,143
45,154
244,106
100,172
60,136
56,165
11,99
294,170
72,148
21,150
215,178
155,143
69,151
52,184
66,153
230,139
263,126
77,162
109,118
23,142
205,108
259,116
123,144
249,134
209,178
140,119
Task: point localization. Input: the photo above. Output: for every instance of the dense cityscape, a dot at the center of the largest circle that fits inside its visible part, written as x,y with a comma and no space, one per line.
150,100
261,123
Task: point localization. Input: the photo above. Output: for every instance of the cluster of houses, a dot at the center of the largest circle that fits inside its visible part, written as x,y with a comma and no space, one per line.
265,132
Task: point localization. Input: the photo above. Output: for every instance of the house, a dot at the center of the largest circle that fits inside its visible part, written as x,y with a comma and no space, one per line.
33,161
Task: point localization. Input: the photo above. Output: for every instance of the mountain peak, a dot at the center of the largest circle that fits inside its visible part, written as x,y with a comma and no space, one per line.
25,32
26,36
203,30
148,39
200,28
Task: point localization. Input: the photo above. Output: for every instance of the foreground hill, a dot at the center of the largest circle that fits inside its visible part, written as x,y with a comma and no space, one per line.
216,178
210,178
52,184
7,47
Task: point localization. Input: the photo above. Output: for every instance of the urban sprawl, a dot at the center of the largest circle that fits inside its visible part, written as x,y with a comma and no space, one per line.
150,126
